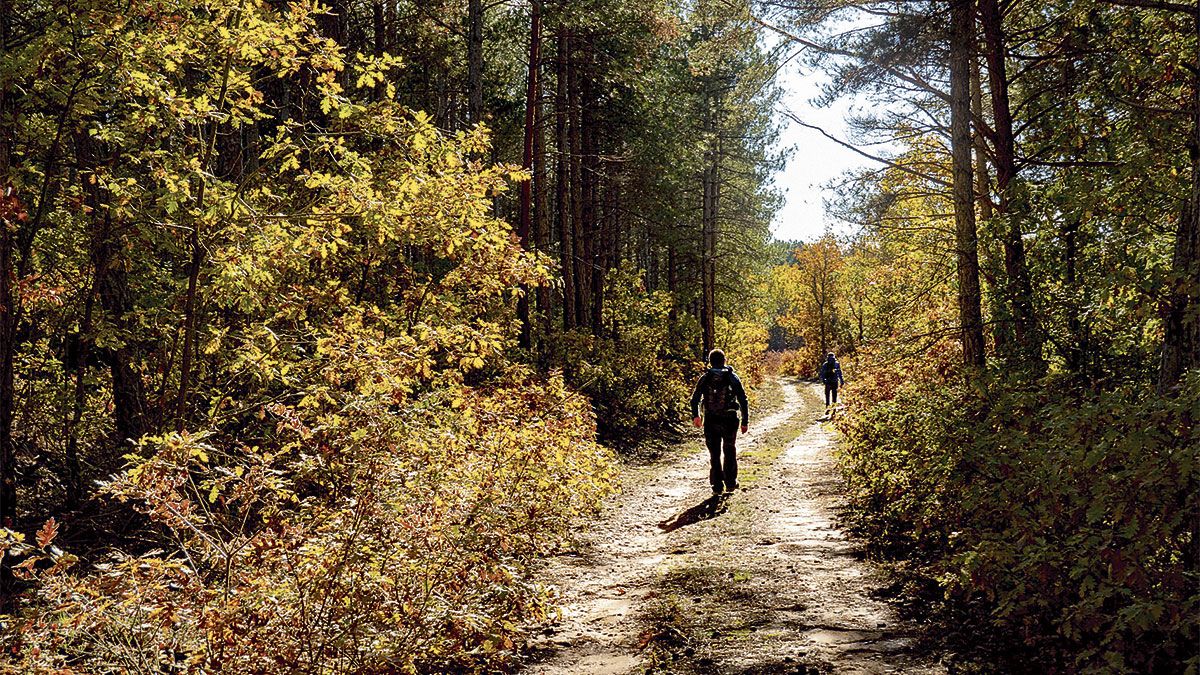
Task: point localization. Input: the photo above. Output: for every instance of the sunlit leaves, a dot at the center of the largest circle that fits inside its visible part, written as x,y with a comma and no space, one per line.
47,534
364,476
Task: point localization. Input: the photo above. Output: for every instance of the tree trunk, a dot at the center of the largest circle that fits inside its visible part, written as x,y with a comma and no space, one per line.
130,418
81,357
617,236
10,209
8,337
591,187
189,324
601,250
823,334
583,276
378,27
191,300
648,261
524,226
673,285
1018,283
962,37
1001,324
541,214
1181,315
475,59
562,114
708,218
1075,352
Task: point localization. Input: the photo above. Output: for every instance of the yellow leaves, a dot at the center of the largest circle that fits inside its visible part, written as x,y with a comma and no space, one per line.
420,141
328,103
291,162
214,343
317,179
316,398
369,71
200,453
406,501
350,285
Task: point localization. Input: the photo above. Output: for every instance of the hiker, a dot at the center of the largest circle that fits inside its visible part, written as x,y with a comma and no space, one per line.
830,373
723,394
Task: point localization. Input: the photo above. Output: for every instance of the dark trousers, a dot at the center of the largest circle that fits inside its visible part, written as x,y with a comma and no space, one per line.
720,435
831,390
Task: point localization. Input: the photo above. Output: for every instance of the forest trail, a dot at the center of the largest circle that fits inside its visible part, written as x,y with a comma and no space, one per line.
670,580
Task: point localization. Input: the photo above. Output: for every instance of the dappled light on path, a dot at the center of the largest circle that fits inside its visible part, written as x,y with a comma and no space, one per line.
758,581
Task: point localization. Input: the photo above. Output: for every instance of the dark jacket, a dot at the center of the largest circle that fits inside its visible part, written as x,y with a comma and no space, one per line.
831,373
739,392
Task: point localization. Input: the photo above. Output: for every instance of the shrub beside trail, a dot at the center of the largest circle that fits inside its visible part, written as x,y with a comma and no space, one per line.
381,543
1071,512
352,473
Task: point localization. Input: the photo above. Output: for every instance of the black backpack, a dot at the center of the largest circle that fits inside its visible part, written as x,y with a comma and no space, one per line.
829,370
718,391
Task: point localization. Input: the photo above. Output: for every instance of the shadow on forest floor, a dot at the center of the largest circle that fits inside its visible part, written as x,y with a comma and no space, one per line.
705,510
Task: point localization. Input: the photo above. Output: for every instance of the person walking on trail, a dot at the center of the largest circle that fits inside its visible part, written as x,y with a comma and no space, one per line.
831,376
723,396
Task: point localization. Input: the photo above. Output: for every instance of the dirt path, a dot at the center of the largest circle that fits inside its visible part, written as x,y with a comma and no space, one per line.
671,580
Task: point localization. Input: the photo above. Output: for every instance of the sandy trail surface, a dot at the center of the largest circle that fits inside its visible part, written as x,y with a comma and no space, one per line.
669,579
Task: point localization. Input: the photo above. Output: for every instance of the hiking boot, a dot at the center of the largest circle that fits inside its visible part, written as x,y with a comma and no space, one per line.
733,487
716,490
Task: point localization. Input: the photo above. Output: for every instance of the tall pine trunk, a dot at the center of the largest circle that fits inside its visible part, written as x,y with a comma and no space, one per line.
563,210
962,37
541,214
593,235
9,209
708,223
475,60
524,226
1001,325
1181,315
580,234
1018,284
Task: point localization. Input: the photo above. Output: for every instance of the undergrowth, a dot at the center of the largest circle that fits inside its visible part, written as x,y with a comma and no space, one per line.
1069,515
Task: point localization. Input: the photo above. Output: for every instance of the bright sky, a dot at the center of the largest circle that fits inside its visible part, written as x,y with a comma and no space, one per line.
816,160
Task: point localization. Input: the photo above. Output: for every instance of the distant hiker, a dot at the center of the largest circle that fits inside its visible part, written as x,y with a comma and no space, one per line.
831,375
723,395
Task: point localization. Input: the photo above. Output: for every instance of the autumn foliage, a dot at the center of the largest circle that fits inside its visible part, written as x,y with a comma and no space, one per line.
393,539
350,474
1069,513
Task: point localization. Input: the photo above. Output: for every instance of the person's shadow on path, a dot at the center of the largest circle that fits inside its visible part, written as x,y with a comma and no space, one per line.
709,508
